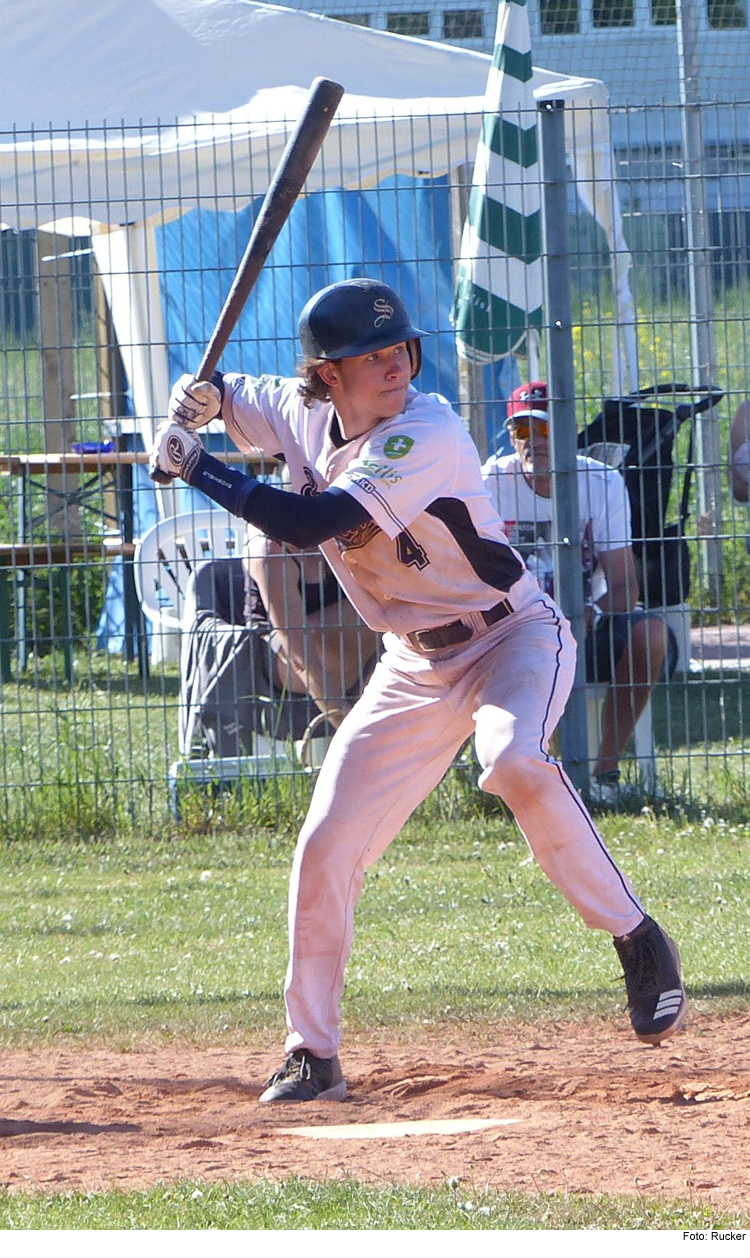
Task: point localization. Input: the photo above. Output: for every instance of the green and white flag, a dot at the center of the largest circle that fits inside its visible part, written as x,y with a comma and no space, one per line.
498,294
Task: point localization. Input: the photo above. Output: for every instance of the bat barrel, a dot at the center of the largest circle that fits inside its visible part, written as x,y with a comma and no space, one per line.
296,162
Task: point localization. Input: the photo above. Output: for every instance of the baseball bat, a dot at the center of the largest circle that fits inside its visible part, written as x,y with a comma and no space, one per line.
294,166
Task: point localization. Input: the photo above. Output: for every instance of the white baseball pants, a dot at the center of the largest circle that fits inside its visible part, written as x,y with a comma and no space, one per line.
508,686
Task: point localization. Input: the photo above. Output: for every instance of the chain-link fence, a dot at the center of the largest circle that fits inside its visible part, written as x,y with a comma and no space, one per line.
151,653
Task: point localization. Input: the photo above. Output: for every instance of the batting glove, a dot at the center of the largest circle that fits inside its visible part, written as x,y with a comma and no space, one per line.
194,403
174,453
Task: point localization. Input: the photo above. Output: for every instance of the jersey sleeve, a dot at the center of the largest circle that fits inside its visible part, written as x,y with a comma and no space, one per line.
404,466
612,525
257,410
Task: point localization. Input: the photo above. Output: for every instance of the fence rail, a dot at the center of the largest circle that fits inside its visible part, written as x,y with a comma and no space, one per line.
94,326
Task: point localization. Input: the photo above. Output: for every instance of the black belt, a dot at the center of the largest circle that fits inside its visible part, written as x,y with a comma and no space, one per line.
456,631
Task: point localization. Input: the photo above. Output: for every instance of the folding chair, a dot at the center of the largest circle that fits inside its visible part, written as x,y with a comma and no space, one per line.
164,560
167,554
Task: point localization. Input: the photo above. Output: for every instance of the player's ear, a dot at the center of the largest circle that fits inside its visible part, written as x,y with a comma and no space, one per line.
329,374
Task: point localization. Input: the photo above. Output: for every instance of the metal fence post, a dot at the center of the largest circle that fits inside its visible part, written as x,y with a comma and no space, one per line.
702,348
558,320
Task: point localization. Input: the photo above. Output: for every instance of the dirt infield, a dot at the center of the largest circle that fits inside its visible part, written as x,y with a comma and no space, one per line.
592,1111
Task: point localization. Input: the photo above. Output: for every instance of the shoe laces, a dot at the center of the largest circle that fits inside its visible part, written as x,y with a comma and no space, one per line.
296,1065
643,968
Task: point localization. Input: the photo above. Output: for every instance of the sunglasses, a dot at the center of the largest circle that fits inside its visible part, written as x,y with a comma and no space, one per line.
522,428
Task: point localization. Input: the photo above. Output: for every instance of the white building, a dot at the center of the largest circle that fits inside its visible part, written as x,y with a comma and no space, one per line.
631,44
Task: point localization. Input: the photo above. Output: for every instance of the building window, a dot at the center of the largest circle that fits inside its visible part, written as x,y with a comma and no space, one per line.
408,23
608,13
664,12
724,15
559,17
463,24
356,19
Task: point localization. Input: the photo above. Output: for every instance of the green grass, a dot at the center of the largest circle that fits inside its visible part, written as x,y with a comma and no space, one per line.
701,725
136,941
126,941
91,761
300,1204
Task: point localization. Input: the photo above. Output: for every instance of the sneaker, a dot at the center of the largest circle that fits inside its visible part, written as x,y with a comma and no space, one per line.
607,794
656,997
304,1077
609,791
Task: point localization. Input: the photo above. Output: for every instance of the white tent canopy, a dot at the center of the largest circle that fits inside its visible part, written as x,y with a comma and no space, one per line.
124,111
117,111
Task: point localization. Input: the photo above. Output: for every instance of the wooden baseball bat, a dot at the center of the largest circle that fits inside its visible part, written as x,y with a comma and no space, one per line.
294,166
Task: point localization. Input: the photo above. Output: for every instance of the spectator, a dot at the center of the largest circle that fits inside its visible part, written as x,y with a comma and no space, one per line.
271,645
625,646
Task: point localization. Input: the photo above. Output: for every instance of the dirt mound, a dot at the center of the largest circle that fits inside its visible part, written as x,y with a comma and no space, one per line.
581,1108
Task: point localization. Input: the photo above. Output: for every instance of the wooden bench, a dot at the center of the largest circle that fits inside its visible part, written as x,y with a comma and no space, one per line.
90,470
52,554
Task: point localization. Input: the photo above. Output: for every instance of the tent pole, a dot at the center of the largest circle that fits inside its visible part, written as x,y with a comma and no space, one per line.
471,395
56,339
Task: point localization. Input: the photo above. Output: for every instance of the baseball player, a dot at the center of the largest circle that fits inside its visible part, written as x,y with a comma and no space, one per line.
388,483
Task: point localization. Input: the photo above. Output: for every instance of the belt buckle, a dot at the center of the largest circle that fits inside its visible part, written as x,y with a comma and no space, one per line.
456,632
417,640
507,609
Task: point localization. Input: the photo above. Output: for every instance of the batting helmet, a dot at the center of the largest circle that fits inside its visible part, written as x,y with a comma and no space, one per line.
355,317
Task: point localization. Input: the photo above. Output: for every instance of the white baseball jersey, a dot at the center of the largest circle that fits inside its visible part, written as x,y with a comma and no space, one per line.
435,549
603,515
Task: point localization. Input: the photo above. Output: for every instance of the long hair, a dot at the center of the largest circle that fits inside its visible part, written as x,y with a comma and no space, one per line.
312,388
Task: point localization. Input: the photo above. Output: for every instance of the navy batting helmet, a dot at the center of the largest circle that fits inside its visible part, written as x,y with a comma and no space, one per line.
355,317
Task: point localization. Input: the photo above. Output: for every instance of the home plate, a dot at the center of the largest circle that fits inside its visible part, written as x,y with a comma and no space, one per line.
393,1131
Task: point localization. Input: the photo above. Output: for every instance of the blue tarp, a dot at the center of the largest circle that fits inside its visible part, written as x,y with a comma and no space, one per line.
399,232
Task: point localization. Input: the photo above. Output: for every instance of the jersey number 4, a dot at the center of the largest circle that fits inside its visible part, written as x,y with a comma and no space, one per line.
409,551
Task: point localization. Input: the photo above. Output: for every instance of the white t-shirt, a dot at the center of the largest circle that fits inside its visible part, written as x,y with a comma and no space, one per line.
434,550
603,516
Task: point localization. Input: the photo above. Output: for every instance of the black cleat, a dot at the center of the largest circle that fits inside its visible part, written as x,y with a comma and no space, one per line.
656,998
304,1077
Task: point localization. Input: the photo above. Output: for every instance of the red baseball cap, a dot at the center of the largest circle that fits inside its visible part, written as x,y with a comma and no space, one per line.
529,400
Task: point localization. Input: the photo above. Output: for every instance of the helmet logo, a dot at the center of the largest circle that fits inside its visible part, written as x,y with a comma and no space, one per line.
384,311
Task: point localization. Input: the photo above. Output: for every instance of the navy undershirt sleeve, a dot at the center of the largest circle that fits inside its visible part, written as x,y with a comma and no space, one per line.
300,519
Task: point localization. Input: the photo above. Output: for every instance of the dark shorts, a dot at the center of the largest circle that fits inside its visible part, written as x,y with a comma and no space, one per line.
604,647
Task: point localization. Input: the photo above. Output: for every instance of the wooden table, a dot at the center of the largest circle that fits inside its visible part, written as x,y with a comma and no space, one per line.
20,464
91,469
